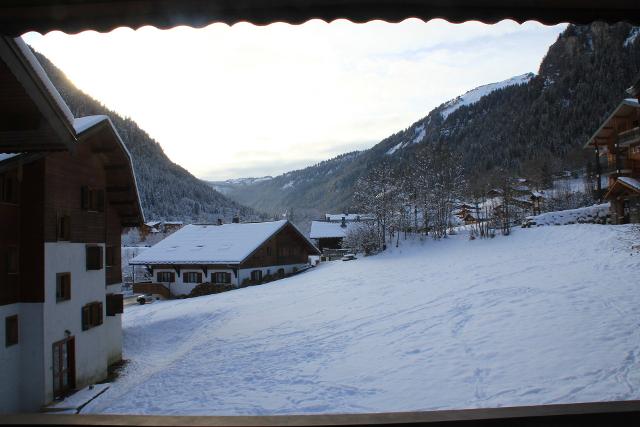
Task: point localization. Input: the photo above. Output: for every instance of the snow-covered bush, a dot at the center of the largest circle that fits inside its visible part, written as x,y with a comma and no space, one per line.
364,239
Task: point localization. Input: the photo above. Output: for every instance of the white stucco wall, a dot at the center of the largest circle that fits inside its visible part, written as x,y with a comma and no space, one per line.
21,368
92,347
9,363
245,273
180,288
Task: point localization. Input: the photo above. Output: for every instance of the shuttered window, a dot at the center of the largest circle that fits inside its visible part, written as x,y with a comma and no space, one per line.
92,199
192,277
222,277
94,257
91,315
63,287
114,304
166,276
11,330
64,227
256,275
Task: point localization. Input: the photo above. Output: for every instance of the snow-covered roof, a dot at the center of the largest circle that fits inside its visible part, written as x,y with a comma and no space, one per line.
348,217
7,156
152,223
42,75
630,182
173,223
625,104
325,229
210,244
82,124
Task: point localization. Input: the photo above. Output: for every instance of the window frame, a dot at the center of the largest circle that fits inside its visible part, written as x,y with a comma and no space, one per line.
63,290
257,273
89,258
224,274
11,330
191,277
63,228
171,274
92,315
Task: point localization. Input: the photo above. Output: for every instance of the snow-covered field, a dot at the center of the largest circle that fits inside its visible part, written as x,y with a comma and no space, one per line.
546,315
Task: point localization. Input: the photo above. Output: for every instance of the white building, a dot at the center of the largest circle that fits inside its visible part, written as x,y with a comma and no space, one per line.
66,190
228,254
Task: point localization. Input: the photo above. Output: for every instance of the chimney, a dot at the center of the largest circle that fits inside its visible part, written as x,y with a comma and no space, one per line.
219,221
236,219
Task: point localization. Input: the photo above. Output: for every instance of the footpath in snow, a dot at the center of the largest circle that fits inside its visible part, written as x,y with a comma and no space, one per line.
546,315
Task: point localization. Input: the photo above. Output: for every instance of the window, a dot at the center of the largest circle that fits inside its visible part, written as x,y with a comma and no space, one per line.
256,275
268,250
114,304
92,199
64,227
63,287
192,277
11,260
11,330
166,276
221,277
109,256
8,189
91,315
94,257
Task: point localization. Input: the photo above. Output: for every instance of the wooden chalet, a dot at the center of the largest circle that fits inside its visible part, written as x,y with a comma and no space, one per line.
616,151
67,188
235,254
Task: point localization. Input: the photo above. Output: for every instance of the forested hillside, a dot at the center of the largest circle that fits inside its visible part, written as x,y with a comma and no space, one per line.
534,127
167,191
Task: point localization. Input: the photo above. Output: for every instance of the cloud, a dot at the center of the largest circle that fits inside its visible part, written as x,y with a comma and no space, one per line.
224,101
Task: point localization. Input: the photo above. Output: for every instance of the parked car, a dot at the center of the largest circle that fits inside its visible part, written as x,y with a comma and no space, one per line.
348,257
144,299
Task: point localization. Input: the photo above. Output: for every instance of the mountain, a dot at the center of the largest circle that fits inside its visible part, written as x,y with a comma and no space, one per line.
529,124
167,191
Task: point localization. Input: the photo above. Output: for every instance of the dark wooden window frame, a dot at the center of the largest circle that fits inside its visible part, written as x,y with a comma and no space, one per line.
115,304
63,287
221,277
11,330
192,277
109,259
94,257
59,370
162,275
12,260
92,199
64,227
256,275
92,315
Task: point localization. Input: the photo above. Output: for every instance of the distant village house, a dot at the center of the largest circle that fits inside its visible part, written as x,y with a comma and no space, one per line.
235,254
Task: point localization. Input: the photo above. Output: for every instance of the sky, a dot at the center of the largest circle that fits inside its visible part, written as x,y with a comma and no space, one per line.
247,101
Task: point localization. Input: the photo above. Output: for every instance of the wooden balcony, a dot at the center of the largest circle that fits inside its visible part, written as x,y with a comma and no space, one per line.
629,137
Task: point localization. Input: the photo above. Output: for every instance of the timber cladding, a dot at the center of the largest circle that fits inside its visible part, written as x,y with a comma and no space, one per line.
66,176
285,247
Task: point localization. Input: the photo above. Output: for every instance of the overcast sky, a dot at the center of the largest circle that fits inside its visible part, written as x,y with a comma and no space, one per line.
228,102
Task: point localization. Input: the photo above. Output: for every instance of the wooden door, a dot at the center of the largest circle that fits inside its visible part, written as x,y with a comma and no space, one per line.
64,367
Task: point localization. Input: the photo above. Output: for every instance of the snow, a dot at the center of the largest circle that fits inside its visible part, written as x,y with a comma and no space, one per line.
545,315
324,229
42,75
78,399
419,133
7,156
474,95
631,182
288,185
633,35
395,148
81,124
348,217
595,213
196,244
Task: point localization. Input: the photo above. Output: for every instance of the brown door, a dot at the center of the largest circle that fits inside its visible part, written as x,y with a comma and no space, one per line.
64,367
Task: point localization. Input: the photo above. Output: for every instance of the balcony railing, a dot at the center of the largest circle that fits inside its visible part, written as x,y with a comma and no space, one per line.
629,137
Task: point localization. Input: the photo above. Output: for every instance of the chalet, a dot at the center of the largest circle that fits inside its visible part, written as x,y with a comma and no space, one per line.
67,188
616,149
330,233
229,254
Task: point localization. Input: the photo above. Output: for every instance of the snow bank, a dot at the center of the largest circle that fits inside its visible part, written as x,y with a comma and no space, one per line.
597,214
546,315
